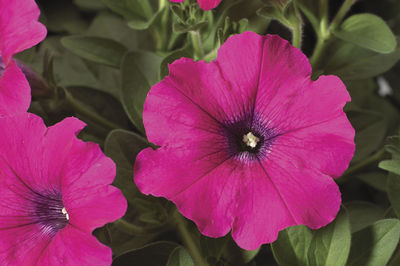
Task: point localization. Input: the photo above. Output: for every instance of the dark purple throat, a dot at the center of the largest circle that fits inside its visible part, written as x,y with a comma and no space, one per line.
249,138
49,212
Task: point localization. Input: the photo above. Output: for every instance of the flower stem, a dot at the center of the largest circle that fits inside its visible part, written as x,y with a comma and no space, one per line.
162,4
297,33
82,110
188,240
341,13
297,30
324,33
197,44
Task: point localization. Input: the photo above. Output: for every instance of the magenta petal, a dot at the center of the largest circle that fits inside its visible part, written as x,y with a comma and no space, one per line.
208,4
278,194
327,146
178,106
160,173
19,28
15,93
22,245
73,247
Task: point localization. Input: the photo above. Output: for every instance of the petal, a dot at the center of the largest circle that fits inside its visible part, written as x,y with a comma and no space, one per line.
22,135
172,113
208,4
277,194
19,27
93,207
73,247
22,245
204,190
327,147
287,98
15,93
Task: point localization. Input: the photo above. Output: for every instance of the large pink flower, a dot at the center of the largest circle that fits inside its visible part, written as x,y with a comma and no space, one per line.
19,30
249,142
204,4
54,191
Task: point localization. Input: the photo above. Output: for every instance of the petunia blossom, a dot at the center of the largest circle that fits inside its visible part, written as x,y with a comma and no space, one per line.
19,30
54,191
248,142
204,4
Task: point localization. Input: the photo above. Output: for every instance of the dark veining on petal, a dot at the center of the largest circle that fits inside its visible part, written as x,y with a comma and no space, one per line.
236,129
2,66
48,212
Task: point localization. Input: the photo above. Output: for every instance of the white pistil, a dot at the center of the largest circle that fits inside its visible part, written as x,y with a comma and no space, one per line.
250,140
64,211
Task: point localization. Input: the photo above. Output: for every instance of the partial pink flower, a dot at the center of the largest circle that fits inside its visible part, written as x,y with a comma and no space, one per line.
204,4
54,191
19,30
248,142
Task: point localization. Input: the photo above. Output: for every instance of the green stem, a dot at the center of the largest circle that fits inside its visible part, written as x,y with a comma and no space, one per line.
188,240
297,33
341,14
197,44
82,110
318,52
297,30
162,4
376,157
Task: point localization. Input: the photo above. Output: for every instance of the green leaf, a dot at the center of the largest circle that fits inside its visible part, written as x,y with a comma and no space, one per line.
391,166
131,9
89,4
368,31
371,128
363,214
63,16
291,247
350,62
123,146
101,103
140,24
111,26
393,191
376,179
331,244
155,254
375,244
135,85
99,50
180,257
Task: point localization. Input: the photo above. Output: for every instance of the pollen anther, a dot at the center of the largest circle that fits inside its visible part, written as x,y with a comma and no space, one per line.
250,140
64,211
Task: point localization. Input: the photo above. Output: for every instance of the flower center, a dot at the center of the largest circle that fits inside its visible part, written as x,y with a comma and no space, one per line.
50,213
64,211
250,140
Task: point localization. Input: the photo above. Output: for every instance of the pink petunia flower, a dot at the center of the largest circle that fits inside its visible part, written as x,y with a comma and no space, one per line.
54,191
204,4
248,142
19,30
